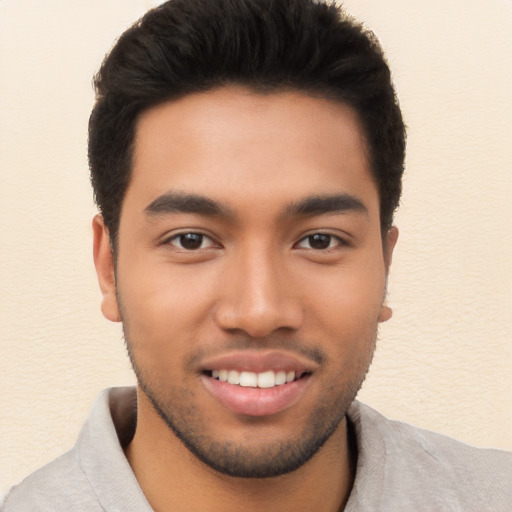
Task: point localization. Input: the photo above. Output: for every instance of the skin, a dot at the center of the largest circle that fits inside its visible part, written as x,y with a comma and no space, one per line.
255,283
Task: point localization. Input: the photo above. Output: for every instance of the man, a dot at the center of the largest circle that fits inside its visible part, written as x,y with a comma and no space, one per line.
246,157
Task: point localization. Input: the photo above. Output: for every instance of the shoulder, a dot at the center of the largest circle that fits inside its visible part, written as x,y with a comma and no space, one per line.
416,465
94,475
61,485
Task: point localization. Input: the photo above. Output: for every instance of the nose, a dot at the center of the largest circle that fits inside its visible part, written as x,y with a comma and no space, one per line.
259,297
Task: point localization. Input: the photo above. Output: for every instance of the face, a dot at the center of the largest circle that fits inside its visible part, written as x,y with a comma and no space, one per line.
250,273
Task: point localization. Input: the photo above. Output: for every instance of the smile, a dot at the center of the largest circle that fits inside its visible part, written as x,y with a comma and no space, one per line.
266,379
256,393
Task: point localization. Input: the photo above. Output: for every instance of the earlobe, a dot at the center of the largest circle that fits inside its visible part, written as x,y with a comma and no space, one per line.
104,263
385,313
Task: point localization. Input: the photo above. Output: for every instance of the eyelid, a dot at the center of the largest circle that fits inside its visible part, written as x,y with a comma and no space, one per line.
168,239
341,241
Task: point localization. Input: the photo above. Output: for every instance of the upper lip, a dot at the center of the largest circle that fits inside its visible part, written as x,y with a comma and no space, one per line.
259,361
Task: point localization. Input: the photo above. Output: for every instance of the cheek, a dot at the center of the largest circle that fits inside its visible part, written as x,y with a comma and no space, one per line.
162,305
345,304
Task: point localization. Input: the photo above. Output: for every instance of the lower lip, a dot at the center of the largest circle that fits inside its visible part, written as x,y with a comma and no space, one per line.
256,401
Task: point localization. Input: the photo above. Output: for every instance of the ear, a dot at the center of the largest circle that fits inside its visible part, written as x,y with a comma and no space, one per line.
388,246
104,263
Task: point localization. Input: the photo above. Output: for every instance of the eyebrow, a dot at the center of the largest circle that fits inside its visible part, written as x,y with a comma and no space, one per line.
181,202
324,204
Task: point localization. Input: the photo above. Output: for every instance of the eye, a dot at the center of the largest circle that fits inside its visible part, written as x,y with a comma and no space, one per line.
320,242
191,241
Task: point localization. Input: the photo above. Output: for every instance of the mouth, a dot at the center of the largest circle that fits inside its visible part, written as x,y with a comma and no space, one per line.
258,383
253,384
266,379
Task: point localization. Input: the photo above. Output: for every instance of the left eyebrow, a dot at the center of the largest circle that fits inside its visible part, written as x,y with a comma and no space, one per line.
181,202
325,204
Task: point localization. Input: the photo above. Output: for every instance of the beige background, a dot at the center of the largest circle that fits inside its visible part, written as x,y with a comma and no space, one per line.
443,362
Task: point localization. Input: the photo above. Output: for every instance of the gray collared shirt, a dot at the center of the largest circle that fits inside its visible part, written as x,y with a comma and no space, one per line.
399,468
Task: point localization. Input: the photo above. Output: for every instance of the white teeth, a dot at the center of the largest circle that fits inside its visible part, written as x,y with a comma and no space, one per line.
280,378
267,379
248,379
233,377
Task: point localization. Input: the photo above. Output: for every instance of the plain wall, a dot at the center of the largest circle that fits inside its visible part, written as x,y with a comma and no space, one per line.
443,362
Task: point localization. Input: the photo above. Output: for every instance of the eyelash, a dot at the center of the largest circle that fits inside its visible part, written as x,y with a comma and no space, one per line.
180,236
332,241
338,242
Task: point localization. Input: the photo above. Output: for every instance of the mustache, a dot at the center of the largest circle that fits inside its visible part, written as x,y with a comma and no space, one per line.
309,351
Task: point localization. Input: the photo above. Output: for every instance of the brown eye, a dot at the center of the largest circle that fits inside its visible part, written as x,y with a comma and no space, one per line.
191,241
320,242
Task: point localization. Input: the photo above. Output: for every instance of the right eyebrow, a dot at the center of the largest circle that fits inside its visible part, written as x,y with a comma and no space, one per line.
325,204
182,202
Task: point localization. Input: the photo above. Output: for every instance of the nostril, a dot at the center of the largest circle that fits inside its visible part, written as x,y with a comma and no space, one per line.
259,322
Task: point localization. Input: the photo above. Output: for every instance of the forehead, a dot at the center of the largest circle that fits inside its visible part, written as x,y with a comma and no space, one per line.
233,143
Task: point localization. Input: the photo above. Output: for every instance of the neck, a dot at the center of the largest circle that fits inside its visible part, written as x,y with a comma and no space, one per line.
172,477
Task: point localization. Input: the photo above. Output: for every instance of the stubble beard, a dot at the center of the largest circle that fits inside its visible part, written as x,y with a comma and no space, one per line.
273,459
